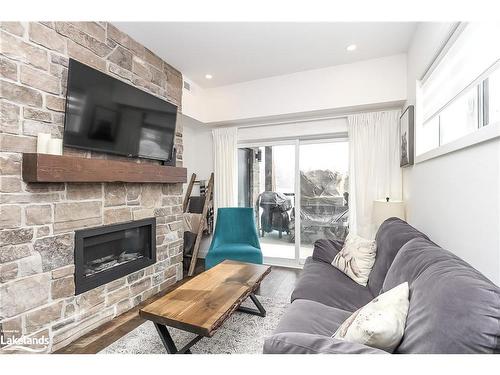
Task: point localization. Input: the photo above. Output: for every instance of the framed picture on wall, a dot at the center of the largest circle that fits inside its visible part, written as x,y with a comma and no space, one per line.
406,134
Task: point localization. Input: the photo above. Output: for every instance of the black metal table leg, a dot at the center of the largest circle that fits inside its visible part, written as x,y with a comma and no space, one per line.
169,343
260,311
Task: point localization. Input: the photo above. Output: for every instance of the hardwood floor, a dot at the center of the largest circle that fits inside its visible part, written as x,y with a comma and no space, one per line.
279,284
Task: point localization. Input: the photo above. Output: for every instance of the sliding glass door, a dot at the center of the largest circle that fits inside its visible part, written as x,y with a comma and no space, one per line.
299,192
324,192
268,180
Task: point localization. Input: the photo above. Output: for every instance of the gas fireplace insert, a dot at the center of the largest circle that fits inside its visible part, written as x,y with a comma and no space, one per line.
106,253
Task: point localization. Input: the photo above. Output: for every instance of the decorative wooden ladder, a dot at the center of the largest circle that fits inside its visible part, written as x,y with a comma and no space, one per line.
203,220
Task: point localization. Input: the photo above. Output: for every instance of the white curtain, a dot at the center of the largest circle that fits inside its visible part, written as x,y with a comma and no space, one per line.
374,171
225,167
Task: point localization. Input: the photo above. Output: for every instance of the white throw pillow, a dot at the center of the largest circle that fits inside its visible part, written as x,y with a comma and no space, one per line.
380,323
356,258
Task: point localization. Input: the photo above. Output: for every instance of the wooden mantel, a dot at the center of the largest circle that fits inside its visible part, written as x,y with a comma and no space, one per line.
60,168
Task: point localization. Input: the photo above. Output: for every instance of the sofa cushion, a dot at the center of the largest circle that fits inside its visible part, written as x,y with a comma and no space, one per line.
392,234
453,307
379,324
311,317
326,250
356,258
321,282
307,343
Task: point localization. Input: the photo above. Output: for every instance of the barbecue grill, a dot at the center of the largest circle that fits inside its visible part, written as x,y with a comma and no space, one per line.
275,214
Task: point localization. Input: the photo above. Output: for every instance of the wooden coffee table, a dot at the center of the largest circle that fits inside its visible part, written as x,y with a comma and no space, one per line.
203,303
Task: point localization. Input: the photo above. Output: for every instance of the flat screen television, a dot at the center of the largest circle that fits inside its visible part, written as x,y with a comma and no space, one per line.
105,114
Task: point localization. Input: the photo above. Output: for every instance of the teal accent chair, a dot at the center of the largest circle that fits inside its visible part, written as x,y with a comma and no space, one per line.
235,237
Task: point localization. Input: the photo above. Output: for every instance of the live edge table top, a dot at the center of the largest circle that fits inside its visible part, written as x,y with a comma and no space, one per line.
203,303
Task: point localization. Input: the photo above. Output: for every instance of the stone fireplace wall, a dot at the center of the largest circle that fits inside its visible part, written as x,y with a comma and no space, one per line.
37,221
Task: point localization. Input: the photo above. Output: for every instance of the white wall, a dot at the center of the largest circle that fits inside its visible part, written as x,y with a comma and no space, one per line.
362,83
197,158
454,198
193,102
198,153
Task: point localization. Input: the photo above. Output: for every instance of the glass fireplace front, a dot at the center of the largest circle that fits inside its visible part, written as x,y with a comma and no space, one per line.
107,253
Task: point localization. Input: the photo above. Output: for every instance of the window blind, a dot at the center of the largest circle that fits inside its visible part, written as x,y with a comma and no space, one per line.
472,53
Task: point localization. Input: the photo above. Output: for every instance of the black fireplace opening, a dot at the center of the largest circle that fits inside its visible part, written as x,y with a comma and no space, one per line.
106,253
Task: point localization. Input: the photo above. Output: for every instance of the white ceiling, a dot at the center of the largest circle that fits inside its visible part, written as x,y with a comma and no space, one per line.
237,52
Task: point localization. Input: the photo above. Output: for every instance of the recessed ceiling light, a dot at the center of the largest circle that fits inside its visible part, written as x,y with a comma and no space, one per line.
351,47
208,76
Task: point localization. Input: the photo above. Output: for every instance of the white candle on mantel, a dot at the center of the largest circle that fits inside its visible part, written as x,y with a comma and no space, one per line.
55,147
42,143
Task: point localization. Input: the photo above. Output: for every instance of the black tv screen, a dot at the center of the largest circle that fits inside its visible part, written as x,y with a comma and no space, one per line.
108,115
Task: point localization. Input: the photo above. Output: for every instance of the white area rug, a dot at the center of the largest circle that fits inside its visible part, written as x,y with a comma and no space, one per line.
240,334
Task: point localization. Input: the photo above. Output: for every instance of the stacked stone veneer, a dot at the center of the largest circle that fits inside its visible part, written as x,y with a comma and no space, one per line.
37,221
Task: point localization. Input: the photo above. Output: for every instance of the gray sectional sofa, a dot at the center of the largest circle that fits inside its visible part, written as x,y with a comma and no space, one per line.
453,307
